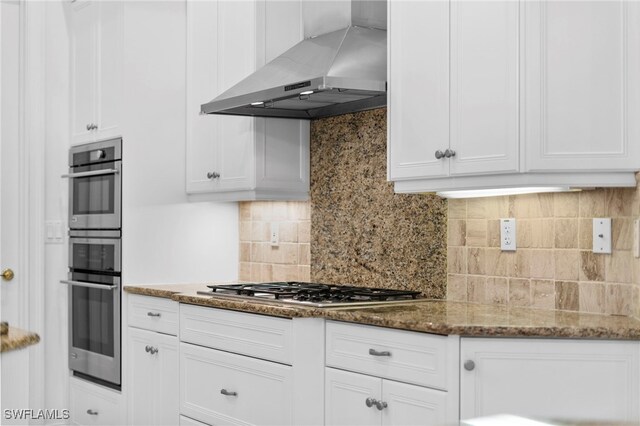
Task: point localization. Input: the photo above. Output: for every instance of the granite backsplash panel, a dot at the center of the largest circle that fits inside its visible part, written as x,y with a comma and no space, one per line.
553,266
362,233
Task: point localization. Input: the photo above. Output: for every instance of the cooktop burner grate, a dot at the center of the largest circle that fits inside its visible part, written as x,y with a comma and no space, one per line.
314,294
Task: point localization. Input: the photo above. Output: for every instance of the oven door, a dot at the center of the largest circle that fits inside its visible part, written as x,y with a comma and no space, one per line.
94,325
95,196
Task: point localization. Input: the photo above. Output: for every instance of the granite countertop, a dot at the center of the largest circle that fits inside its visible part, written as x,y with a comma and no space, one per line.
430,316
16,338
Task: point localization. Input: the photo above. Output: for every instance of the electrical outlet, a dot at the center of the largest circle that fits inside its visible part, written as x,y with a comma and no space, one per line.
602,235
508,234
275,234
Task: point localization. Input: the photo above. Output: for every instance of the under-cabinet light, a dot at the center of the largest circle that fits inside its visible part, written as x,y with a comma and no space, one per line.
496,192
308,92
257,103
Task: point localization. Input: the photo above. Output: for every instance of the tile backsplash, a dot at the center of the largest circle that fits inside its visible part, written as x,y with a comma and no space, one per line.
553,266
289,261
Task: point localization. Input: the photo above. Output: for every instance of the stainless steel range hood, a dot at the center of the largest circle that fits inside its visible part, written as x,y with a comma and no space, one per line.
335,73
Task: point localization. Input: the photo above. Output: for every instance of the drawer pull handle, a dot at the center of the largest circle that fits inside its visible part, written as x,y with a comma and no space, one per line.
228,393
379,353
153,314
92,412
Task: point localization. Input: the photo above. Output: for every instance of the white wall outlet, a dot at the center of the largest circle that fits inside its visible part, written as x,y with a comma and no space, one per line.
508,234
602,235
636,238
275,234
53,232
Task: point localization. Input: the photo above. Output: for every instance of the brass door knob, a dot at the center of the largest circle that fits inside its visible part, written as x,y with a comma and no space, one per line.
7,274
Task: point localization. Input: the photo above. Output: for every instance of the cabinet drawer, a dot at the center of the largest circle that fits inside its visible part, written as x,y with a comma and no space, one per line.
186,421
105,404
262,389
153,313
258,336
391,354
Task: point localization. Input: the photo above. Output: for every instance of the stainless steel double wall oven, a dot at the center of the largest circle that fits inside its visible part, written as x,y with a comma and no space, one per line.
95,256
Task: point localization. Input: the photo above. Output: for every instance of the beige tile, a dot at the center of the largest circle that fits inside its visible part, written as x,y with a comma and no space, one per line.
245,231
496,207
619,267
522,265
245,252
244,210
285,272
566,231
476,233
567,266
476,261
618,202
304,273
286,253
622,233
523,233
260,210
499,263
566,204
543,294
542,233
266,272
476,208
456,232
457,287
288,232
256,272
636,271
497,290
476,288
457,208
618,299
244,273
279,211
519,292
257,252
533,205
304,231
259,231
299,210
493,233
567,295
592,203
591,266
542,264
457,260
592,297
304,254
585,234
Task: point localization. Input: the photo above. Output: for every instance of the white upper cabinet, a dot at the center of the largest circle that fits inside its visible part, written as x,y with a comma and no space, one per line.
582,88
241,158
96,67
513,93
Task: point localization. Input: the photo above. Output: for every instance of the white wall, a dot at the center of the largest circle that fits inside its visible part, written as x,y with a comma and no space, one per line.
165,238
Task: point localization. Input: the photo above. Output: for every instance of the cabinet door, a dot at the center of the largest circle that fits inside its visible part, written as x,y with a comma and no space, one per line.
418,97
345,398
582,89
553,379
413,405
84,50
484,86
153,378
109,70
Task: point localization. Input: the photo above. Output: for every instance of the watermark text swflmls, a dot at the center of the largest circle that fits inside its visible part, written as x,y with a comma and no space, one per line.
31,414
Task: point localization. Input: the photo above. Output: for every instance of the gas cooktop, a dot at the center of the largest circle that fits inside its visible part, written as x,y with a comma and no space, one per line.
311,294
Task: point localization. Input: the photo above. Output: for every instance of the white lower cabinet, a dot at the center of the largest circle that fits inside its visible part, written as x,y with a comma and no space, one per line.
596,381
356,399
91,404
153,378
218,387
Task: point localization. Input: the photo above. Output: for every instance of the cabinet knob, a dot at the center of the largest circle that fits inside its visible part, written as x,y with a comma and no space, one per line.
469,365
89,126
213,175
439,154
153,350
448,153
228,393
147,349
92,412
370,402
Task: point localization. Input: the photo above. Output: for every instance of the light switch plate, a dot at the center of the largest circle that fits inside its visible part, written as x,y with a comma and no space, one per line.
508,234
275,234
53,232
602,235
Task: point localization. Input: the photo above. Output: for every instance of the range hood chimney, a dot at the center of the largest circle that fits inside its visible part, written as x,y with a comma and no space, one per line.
335,73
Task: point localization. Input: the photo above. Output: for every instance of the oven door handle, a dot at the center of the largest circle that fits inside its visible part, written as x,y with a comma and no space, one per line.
92,173
90,285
